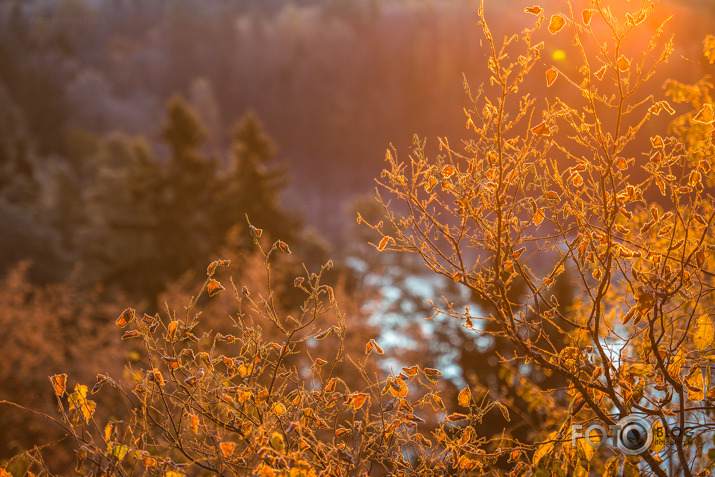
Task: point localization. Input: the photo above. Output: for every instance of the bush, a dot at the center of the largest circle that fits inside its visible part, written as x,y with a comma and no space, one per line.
578,185
539,191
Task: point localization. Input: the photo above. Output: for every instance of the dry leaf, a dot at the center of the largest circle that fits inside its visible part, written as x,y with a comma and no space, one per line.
557,23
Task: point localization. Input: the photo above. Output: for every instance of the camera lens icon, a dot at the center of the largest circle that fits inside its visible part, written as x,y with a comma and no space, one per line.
634,435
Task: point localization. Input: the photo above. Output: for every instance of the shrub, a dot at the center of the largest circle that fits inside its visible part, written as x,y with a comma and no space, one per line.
578,184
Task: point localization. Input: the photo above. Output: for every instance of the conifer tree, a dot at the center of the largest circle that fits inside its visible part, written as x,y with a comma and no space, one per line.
252,185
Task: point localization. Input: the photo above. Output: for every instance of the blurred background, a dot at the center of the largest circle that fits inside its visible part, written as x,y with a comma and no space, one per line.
135,136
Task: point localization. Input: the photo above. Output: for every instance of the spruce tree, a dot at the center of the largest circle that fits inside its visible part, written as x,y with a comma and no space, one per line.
252,184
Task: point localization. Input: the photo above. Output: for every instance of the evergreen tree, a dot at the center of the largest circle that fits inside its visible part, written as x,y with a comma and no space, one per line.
252,184
185,208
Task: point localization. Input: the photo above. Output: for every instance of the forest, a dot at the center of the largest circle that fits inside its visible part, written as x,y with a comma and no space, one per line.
440,237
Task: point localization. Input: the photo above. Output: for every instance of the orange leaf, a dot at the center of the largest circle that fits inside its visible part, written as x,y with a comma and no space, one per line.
283,246
694,179
358,400
448,171
227,448
383,243
557,23
429,187
372,345
541,129
330,387
621,163
456,416
130,334
59,382
504,410
576,179
173,363
551,76
214,287
586,16
172,330
398,388
256,232
320,362
323,334
464,397
623,63
193,422
535,10
125,318
212,268
601,72
411,371
432,372
517,253
538,217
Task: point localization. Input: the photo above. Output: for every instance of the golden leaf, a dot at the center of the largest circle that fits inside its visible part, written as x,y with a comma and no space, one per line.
448,171
623,63
705,115
695,384
194,422
279,409
538,217
704,333
517,253
557,23
535,10
551,76
544,449
621,163
432,372
700,258
330,387
81,408
586,16
695,179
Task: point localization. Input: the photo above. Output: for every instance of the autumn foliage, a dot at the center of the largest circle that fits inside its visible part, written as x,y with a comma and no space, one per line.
262,373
